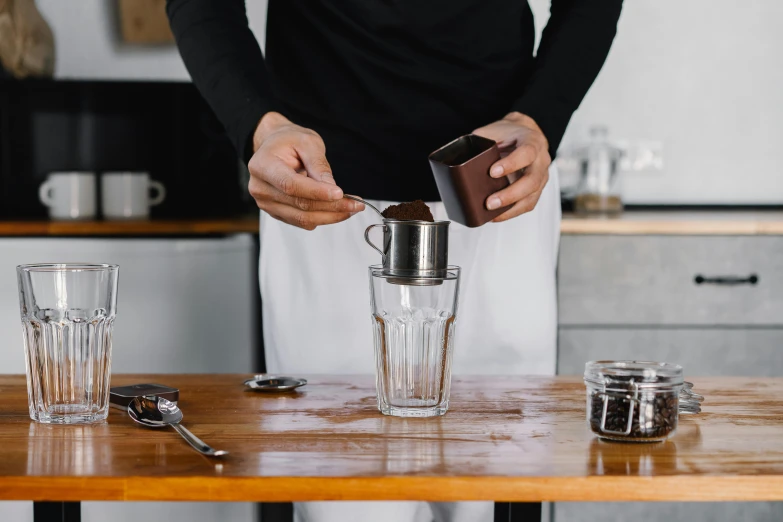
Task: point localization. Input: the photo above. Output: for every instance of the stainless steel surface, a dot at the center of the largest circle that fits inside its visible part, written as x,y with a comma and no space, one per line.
360,200
369,242
156,412
413,249
274,383
411,280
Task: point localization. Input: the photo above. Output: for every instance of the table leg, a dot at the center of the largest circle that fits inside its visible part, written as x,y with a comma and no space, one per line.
517,511
276,512
258,327
57,512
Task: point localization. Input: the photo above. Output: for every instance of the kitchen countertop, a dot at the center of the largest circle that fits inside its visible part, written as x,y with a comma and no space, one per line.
519,439
678,222
630,222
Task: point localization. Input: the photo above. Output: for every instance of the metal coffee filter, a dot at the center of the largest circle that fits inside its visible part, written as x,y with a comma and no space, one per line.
413,252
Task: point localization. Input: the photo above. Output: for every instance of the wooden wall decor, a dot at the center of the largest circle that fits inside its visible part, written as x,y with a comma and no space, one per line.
144,22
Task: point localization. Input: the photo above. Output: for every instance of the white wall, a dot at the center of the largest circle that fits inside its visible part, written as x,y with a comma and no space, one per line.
88,45
705,78
701,76
86,35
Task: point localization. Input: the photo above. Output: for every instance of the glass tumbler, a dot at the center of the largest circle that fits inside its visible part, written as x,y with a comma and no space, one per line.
68,313
413,330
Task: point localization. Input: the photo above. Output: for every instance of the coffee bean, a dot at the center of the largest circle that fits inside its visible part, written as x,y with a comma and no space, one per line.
655,415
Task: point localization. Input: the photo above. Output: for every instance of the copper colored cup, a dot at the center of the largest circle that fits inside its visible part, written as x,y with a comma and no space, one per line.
461,170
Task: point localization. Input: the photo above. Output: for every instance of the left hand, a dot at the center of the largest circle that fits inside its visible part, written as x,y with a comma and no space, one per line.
524,152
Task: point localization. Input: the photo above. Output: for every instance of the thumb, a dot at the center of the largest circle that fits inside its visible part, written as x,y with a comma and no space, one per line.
318,168
312,154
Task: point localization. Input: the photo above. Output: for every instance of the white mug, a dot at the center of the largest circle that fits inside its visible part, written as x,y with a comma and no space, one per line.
69,195
126,195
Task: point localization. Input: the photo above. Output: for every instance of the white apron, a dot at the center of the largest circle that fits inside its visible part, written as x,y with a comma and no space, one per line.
507,315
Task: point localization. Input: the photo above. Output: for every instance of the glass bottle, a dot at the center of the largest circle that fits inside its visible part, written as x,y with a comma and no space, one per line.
599,190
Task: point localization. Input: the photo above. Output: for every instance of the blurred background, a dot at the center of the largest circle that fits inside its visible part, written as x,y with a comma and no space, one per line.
689,107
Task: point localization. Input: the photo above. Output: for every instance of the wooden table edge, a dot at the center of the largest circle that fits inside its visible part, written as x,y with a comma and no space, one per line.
422,488
153,227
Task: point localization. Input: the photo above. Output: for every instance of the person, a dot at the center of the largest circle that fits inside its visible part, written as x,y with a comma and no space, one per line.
350,97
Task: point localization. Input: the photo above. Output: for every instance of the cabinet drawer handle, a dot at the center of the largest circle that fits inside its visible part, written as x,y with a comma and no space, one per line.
752,279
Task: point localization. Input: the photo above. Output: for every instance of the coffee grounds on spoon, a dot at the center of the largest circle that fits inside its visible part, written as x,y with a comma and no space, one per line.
413,211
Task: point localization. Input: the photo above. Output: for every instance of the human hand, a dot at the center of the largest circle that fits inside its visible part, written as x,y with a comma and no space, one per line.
290,178
524,152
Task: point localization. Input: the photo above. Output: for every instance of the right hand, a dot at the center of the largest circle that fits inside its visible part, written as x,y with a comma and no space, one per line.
290,178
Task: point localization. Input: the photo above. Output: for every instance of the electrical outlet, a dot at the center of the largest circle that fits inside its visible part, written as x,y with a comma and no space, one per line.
644,156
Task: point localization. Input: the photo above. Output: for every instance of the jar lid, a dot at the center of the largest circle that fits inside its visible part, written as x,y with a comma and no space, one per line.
643,373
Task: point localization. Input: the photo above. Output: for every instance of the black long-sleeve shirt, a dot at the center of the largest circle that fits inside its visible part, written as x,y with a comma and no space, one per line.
386,82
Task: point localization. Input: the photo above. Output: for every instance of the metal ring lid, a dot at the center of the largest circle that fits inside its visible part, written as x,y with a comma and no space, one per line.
416,277
690,402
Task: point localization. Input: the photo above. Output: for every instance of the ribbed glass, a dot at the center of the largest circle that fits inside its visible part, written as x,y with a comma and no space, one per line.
68,313
413,331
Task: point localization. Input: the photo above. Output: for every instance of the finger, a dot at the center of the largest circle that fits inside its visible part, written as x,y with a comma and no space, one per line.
521,157
520,207
277,173
265,193
312,153
533,180
302,219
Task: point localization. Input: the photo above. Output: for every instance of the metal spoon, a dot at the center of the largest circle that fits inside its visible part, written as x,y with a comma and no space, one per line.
360,200
157,412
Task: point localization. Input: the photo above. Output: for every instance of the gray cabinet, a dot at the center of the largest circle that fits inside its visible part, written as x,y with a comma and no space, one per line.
701,352
650,280
669,512
635,297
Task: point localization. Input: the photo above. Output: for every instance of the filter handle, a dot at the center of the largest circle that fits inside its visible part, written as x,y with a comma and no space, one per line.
367,238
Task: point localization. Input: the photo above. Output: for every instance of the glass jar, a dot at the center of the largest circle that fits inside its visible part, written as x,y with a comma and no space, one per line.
599,190
413,332
633,400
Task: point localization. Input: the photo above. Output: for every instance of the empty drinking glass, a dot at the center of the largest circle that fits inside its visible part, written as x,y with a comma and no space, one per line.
68,315
413,330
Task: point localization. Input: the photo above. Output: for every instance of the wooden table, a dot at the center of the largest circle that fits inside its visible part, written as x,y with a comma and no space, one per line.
154,227
509,439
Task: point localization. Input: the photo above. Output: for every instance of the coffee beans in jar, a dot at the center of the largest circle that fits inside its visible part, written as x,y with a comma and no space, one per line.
633,400
654,416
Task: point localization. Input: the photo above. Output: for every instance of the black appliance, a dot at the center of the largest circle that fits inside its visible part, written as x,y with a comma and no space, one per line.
165,129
